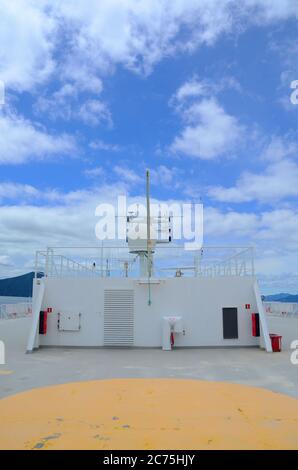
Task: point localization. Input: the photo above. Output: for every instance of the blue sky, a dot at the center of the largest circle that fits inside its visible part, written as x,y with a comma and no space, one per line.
198,91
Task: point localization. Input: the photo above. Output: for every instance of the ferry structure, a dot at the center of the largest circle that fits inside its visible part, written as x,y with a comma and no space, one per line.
147,293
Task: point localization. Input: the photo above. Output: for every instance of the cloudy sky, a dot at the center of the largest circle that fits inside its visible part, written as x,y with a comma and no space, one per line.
197,90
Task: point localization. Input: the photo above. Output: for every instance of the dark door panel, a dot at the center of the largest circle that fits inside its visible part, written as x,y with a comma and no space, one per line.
230,322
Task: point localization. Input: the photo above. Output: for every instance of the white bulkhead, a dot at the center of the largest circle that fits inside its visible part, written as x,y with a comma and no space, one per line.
115,312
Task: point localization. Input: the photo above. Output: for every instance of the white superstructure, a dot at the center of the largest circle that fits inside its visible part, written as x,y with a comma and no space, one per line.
147,294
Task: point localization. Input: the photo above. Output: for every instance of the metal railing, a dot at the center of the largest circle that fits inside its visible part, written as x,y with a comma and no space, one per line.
238,264
52,264
16,310
168,261
281,309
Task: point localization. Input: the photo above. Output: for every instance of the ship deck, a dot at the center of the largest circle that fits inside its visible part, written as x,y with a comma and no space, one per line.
68,398
50,366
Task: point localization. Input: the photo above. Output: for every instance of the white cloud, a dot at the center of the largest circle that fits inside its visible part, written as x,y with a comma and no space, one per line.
27,39
190,88
274,232
26,193
96,36
67,219
95,111
84,77
279,226
101,145
279,148
17,191
230,225
166,177
21,140
95,172
211,133
5,261
276,182
135,34
274,235
127,174
64,104
59,104
271,10
159,176
195,88
139,34
162,176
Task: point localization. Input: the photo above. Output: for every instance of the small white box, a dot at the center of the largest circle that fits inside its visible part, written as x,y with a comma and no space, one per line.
69,321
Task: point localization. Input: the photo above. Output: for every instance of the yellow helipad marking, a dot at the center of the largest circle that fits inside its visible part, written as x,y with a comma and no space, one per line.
5,372
149,414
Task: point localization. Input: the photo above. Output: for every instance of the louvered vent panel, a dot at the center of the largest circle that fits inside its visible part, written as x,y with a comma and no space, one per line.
118,317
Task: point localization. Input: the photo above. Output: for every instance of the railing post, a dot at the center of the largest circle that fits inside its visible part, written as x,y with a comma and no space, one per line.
35,265
252,261
47,263
52,263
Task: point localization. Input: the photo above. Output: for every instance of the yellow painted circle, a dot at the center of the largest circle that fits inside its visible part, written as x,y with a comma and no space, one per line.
149,414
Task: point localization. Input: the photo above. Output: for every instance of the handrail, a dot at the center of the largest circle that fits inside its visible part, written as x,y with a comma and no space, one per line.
15,310
113,260
281,309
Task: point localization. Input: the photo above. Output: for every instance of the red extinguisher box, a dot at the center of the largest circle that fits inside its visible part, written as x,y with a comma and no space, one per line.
43,317
255,318
276,342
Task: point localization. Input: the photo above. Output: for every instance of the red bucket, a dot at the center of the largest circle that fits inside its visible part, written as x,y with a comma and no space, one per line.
276,342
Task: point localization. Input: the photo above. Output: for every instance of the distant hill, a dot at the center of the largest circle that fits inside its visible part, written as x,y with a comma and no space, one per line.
19,286
282,298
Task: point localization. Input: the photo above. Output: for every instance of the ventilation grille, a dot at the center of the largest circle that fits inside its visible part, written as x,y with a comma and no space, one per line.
119,317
